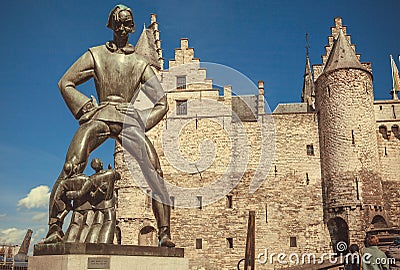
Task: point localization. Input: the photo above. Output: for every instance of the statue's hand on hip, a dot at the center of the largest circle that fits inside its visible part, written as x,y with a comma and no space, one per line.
88,110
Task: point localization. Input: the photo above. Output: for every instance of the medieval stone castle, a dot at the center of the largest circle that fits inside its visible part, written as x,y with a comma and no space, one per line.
331,177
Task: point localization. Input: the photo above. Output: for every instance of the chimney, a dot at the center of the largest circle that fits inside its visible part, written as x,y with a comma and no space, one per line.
260,107
228,95
184,43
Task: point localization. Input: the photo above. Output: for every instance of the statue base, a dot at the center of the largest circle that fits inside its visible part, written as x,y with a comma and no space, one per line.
82,256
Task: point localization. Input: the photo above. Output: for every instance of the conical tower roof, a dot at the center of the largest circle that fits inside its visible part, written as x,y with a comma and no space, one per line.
146,46
342,55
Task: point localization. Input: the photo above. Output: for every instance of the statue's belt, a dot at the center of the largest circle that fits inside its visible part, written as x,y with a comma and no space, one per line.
112,111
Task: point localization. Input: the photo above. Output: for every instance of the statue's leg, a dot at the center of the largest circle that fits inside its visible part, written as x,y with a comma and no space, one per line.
87,223
74,227
94,231
88,137
107,230
162,211
139,146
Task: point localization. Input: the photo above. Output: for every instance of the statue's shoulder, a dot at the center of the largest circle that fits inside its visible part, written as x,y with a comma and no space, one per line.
98,49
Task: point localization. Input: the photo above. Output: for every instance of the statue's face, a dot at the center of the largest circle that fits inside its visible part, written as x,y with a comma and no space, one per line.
124,25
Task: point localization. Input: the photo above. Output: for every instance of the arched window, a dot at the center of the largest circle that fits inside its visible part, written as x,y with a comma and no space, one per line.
379,222
395,130
383,131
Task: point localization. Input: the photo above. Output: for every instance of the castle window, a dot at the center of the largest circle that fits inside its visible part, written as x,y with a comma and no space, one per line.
118,235
181,82
352,137
229,201
200,202
395,130
293,241
172,198
181,107
276,171
358,192
385,153
380,107
148,198
199,243
383,131
116,194
230,242
310,150
394,112
307,179
266,213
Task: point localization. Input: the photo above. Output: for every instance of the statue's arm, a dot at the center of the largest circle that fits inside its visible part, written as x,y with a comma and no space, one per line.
81,71
153,90
79,193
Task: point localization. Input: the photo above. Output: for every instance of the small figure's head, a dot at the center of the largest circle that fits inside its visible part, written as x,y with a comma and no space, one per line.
371,240
354,248
120,20
96,164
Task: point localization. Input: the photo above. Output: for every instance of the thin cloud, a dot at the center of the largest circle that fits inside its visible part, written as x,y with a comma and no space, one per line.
12,236
38,197
40,216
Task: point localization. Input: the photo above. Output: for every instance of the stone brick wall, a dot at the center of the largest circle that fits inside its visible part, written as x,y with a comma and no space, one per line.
387,119
288,203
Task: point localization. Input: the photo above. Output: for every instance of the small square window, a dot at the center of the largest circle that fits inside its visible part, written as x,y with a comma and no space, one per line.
293,241
310,150
181,107
199,243
181,82
230,242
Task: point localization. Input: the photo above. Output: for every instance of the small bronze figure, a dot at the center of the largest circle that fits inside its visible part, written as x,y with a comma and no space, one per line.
119,74
100,189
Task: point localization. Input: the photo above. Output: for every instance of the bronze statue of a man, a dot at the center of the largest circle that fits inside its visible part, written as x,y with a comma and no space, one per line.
119,74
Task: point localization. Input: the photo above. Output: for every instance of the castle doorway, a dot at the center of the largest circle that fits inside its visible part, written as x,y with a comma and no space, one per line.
339,232
148,236
118,235
379,222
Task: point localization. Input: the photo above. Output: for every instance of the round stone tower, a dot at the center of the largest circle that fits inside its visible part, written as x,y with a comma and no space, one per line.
349,151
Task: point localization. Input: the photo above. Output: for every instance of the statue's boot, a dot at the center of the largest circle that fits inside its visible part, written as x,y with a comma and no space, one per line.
55,233
164,237
162,214
57,213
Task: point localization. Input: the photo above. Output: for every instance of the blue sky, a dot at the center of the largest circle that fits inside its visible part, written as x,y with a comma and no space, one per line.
262,39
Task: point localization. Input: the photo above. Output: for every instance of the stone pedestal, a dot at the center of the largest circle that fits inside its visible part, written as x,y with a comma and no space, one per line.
82,256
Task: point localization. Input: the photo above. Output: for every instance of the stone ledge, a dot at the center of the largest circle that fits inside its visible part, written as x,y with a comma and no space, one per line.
105,249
